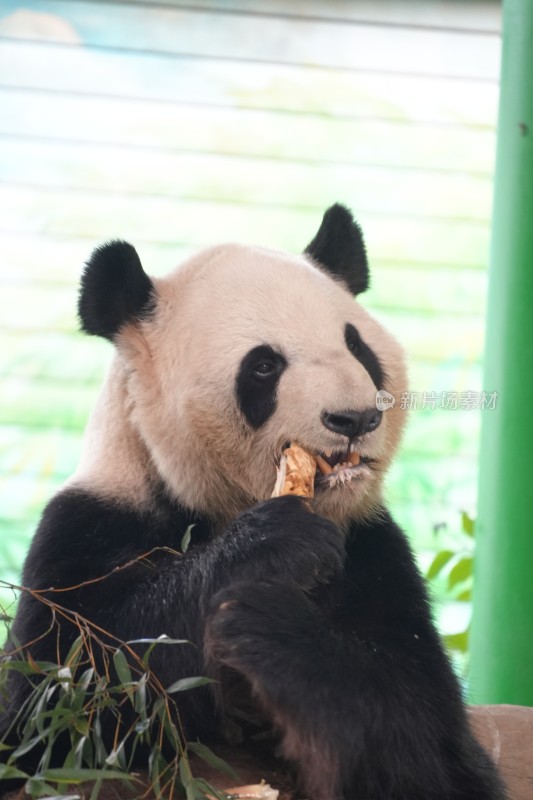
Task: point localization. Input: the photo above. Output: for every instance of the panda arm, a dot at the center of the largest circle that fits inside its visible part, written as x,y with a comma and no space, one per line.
121,569
128,576
384,607
355,677
382,591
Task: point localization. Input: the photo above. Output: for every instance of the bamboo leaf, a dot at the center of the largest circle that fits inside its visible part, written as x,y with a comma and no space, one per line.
64,797
116,757
122,667
210,758
438,563
468,524
29,667
186,778
78,753
141,698
156,767
36,787
80,775
7,772
82,726
186,540
163,639
208,791
27,746
461,571
457,641
86,679
96,789
74,653
185,684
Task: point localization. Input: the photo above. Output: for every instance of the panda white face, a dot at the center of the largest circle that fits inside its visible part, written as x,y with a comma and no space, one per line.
245,350
252,350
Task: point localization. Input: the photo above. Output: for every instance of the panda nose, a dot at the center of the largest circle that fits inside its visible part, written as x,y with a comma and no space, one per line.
352,423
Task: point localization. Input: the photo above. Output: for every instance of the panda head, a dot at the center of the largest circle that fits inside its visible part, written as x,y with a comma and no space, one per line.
238,352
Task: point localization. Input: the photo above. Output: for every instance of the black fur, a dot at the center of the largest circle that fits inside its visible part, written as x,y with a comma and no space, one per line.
328,635
332,634
339,248
257,383
363,353
114,290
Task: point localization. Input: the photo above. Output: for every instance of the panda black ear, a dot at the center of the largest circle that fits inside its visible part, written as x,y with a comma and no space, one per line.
339,248
114,290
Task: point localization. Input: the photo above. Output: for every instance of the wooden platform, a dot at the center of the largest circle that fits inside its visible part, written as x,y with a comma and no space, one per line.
505,731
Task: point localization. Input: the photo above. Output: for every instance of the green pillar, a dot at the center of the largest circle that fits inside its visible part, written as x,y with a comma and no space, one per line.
501,668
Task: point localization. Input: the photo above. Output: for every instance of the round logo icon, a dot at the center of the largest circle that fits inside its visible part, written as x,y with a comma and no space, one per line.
384,400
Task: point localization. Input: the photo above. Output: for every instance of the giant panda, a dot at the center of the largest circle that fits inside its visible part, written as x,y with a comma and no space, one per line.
312,613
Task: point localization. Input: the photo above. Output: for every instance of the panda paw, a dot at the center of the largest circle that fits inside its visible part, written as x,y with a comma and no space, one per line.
253,626
283,540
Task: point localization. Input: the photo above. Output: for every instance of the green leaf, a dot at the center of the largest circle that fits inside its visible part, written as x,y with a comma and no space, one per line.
190,791
186,540
36,787
86,679
465,597
438,563
76,754
208,790
468,524
39,715
140,697
100,752
7,772
156,767
96,790
142,726
163,639
461,571
122,667
81,725
210,758
85,753
30,668
25,747
457,641
80,775
199,789
63,797
185,684
116,757
186,777
74,653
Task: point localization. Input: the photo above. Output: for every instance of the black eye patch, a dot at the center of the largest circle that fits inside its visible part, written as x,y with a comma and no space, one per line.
364,354
257,383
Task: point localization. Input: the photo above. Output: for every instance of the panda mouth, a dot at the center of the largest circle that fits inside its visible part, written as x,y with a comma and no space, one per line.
338,467
341,465
334,468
